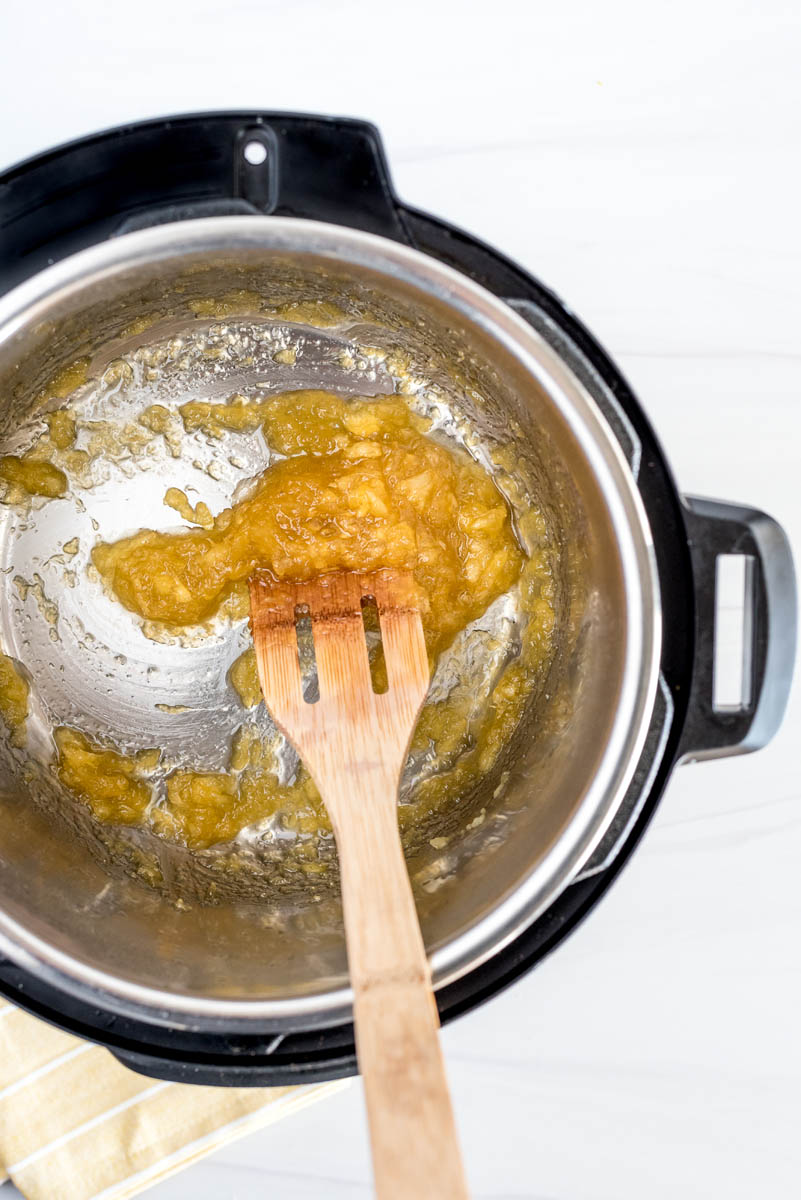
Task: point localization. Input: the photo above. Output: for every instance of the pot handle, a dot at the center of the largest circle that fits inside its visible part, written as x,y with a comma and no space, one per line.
715,528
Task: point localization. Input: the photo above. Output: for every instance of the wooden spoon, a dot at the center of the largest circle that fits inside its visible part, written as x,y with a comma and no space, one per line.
354,744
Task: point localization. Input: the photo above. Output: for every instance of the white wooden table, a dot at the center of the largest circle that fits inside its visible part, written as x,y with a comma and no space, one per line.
644,161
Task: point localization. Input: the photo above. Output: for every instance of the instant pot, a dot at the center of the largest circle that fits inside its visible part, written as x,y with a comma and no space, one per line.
90,229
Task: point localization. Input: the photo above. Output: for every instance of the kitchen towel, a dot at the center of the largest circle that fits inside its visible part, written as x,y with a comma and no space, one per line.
76,1125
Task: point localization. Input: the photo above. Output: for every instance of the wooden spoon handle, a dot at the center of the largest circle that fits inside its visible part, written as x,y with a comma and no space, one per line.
412,1131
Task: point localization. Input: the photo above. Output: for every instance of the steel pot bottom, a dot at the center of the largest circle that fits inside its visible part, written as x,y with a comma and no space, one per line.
113,942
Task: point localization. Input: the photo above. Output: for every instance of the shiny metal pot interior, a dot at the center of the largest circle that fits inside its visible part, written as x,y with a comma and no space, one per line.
242,963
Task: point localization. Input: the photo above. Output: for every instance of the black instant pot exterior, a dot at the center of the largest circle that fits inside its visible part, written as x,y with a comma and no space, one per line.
334,170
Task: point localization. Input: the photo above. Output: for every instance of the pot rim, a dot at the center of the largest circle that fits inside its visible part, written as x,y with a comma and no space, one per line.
27,303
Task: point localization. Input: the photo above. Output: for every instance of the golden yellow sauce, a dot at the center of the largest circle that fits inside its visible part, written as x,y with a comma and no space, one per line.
244,676
322,314
196,514
156,418
201,808
363,489
205,808
32,476
61,425
239,414
140,325
65,381
109,782
13,699
239,300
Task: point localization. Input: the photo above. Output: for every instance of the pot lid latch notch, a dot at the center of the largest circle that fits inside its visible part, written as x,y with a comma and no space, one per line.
256,168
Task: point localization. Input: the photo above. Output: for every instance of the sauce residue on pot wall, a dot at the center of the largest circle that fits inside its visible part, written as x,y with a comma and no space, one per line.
14,692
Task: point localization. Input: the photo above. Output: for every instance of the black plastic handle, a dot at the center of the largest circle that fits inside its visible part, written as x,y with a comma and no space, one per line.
715,528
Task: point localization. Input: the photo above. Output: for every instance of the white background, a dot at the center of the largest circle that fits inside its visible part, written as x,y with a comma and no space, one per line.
643,159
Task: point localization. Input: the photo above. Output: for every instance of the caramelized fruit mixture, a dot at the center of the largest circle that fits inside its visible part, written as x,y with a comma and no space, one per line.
363,488
13,699
359,486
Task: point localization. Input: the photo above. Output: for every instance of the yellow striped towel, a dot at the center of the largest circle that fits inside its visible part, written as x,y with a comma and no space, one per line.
76,1125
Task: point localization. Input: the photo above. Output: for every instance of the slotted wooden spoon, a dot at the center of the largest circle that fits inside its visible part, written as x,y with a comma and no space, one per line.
354,744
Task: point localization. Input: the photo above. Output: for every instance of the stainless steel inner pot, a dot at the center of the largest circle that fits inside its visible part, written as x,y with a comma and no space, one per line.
248,962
